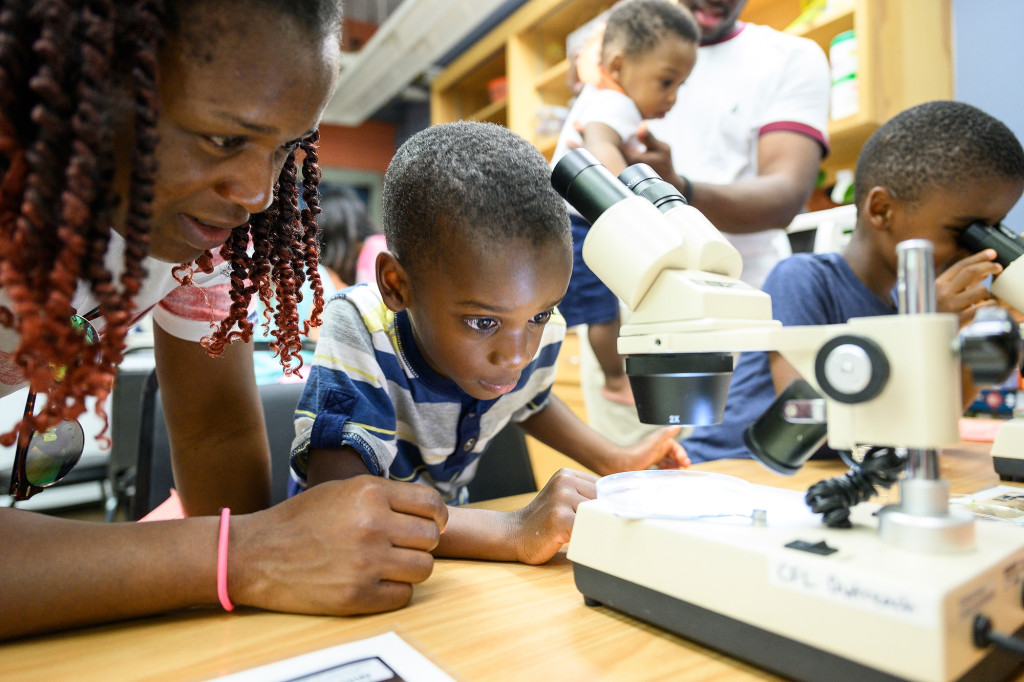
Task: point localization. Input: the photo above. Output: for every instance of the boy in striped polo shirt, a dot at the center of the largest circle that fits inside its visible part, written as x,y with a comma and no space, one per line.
413,381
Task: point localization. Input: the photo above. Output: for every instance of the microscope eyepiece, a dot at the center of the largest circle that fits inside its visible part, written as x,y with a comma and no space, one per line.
646,183
669,387
1009,245
586,184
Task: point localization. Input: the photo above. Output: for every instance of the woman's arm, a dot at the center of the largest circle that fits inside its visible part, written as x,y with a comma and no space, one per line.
342,548
215,424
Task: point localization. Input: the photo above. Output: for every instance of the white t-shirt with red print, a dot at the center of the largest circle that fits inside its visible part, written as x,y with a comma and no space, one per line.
187,312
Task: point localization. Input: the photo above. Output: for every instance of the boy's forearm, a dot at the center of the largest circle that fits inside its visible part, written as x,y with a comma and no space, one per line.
478,534
558,427
334,465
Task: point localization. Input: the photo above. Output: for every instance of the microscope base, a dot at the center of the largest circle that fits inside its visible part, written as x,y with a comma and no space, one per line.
1008,449
865,611
748,643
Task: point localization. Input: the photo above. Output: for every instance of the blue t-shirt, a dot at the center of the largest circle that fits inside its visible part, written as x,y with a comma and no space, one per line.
806,289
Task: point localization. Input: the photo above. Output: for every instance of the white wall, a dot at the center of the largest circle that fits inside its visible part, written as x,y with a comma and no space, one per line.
988,65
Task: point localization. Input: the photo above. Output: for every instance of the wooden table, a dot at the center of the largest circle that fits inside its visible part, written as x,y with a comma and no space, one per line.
478,620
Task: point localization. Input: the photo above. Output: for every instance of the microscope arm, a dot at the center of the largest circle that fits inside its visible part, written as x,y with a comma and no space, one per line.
913,402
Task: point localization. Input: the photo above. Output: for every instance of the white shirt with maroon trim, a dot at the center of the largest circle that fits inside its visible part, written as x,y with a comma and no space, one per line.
188,313
754,81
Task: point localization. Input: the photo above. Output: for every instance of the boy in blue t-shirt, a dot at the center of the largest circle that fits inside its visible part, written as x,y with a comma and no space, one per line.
412,379
927,173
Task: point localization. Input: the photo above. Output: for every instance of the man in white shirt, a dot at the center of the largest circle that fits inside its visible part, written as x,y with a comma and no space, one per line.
748,132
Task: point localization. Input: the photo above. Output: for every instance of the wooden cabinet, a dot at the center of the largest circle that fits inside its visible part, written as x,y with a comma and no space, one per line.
904,58
528,49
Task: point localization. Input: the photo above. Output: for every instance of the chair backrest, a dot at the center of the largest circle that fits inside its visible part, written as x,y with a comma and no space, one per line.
126,409
823,231
505,467
155,478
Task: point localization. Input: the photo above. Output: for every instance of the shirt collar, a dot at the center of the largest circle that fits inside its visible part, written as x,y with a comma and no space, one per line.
737,29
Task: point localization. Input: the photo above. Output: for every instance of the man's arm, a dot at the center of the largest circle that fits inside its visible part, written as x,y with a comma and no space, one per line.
787,170
215,424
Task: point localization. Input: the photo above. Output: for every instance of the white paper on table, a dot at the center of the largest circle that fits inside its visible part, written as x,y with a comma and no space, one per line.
383,658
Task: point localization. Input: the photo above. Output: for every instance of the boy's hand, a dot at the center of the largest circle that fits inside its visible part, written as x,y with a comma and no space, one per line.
659,449
959,288
541,528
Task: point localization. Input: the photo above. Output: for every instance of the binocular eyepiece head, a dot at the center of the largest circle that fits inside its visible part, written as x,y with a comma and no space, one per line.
669,388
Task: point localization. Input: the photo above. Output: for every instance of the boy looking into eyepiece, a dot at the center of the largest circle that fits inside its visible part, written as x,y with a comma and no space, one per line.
413,381
928,173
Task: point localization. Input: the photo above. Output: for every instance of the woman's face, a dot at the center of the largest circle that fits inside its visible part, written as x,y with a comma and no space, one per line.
239,90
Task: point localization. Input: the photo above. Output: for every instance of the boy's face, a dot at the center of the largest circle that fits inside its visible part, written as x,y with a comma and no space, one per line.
652,79
941,215
478,318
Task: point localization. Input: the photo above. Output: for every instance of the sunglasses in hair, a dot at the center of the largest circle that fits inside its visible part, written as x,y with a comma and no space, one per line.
44,458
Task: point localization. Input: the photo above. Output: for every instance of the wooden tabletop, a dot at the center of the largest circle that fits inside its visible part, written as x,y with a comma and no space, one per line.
478,620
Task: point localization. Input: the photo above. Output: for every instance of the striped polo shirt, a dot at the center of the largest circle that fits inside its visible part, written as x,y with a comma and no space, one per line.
370,388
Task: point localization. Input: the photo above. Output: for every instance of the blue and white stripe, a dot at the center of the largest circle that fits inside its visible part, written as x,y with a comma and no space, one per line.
371,389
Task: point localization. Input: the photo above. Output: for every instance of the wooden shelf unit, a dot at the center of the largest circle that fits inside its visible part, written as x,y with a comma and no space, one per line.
528,48
904,58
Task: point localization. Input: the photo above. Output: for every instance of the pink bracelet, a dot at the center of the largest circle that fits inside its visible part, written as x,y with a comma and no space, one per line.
222,561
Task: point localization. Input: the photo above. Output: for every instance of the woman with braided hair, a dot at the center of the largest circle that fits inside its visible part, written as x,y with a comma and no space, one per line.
149,155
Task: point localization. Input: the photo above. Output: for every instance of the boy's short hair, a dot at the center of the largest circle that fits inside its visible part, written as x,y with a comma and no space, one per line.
936,145
637,26
471,183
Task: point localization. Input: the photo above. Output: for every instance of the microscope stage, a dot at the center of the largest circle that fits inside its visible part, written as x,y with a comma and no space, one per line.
795,597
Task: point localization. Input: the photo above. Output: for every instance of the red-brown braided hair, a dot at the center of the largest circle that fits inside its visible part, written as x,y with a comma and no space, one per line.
65,66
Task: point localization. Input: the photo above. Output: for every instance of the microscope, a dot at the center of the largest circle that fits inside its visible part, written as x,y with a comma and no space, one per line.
915,590
1008,448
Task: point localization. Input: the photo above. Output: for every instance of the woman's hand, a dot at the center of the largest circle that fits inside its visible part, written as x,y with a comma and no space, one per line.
339,548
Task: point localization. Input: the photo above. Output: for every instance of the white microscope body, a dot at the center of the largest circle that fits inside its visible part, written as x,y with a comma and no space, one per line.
894,597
